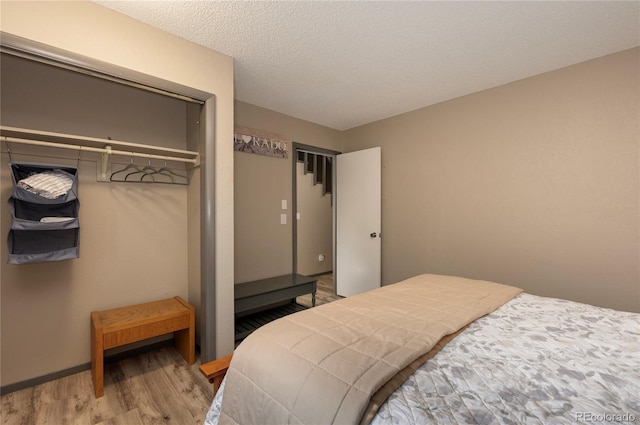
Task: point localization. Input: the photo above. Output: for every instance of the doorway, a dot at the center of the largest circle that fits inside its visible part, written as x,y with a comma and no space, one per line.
313,204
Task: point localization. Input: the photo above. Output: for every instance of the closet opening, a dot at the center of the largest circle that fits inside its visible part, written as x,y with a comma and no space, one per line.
99,268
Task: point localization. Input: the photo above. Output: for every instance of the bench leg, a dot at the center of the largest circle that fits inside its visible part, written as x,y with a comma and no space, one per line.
185,339
185,342
97,359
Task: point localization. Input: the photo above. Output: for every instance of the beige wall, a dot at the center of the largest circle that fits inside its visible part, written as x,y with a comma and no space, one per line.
534,183
87,29
315,227
263,246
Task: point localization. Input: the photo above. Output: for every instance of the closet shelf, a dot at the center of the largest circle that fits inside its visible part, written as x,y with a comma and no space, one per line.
93,144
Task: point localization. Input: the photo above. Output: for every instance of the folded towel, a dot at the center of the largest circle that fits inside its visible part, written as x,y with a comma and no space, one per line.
50,184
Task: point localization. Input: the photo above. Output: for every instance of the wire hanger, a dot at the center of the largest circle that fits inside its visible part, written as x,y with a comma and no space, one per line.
174,178
130,166
148,169
148,174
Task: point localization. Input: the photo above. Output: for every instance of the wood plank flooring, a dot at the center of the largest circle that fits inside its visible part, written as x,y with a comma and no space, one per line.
156,387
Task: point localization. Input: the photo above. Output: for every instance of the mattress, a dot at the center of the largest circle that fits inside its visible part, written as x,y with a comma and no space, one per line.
534,360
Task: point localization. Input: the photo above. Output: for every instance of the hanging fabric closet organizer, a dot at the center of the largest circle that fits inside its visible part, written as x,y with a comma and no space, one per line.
44,209
44,204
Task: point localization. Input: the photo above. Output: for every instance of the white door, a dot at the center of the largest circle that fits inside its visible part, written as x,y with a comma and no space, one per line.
358,222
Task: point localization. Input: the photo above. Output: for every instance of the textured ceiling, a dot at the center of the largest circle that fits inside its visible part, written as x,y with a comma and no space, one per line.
344,64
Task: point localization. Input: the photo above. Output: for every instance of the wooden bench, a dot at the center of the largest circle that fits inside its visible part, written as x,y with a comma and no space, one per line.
255,302
120,326
259,293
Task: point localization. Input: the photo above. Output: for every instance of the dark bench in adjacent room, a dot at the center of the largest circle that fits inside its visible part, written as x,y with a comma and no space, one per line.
261,301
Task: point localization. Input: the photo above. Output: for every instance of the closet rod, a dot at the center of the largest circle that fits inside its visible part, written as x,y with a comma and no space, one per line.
106,150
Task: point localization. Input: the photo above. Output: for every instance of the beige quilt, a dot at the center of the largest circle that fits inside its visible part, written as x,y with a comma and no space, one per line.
323,365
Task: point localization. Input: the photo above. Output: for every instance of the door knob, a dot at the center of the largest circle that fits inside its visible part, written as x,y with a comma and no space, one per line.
373,234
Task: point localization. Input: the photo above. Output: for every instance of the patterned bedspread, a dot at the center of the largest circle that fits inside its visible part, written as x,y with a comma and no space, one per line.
535,360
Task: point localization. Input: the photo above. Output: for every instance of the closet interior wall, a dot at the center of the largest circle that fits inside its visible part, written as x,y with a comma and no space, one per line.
133,238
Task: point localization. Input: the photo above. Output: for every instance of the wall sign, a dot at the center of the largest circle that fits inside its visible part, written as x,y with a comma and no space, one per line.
260,142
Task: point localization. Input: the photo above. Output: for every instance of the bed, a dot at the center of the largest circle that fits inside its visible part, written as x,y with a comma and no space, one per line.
437,349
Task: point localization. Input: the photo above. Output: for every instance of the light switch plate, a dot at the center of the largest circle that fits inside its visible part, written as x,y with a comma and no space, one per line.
283,219
284,204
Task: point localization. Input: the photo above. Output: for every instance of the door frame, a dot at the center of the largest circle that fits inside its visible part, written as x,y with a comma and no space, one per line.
295,147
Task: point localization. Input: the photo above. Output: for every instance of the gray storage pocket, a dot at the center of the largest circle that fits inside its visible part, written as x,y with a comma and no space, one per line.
42,229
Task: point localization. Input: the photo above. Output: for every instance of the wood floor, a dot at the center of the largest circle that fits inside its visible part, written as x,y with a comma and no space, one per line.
156,387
